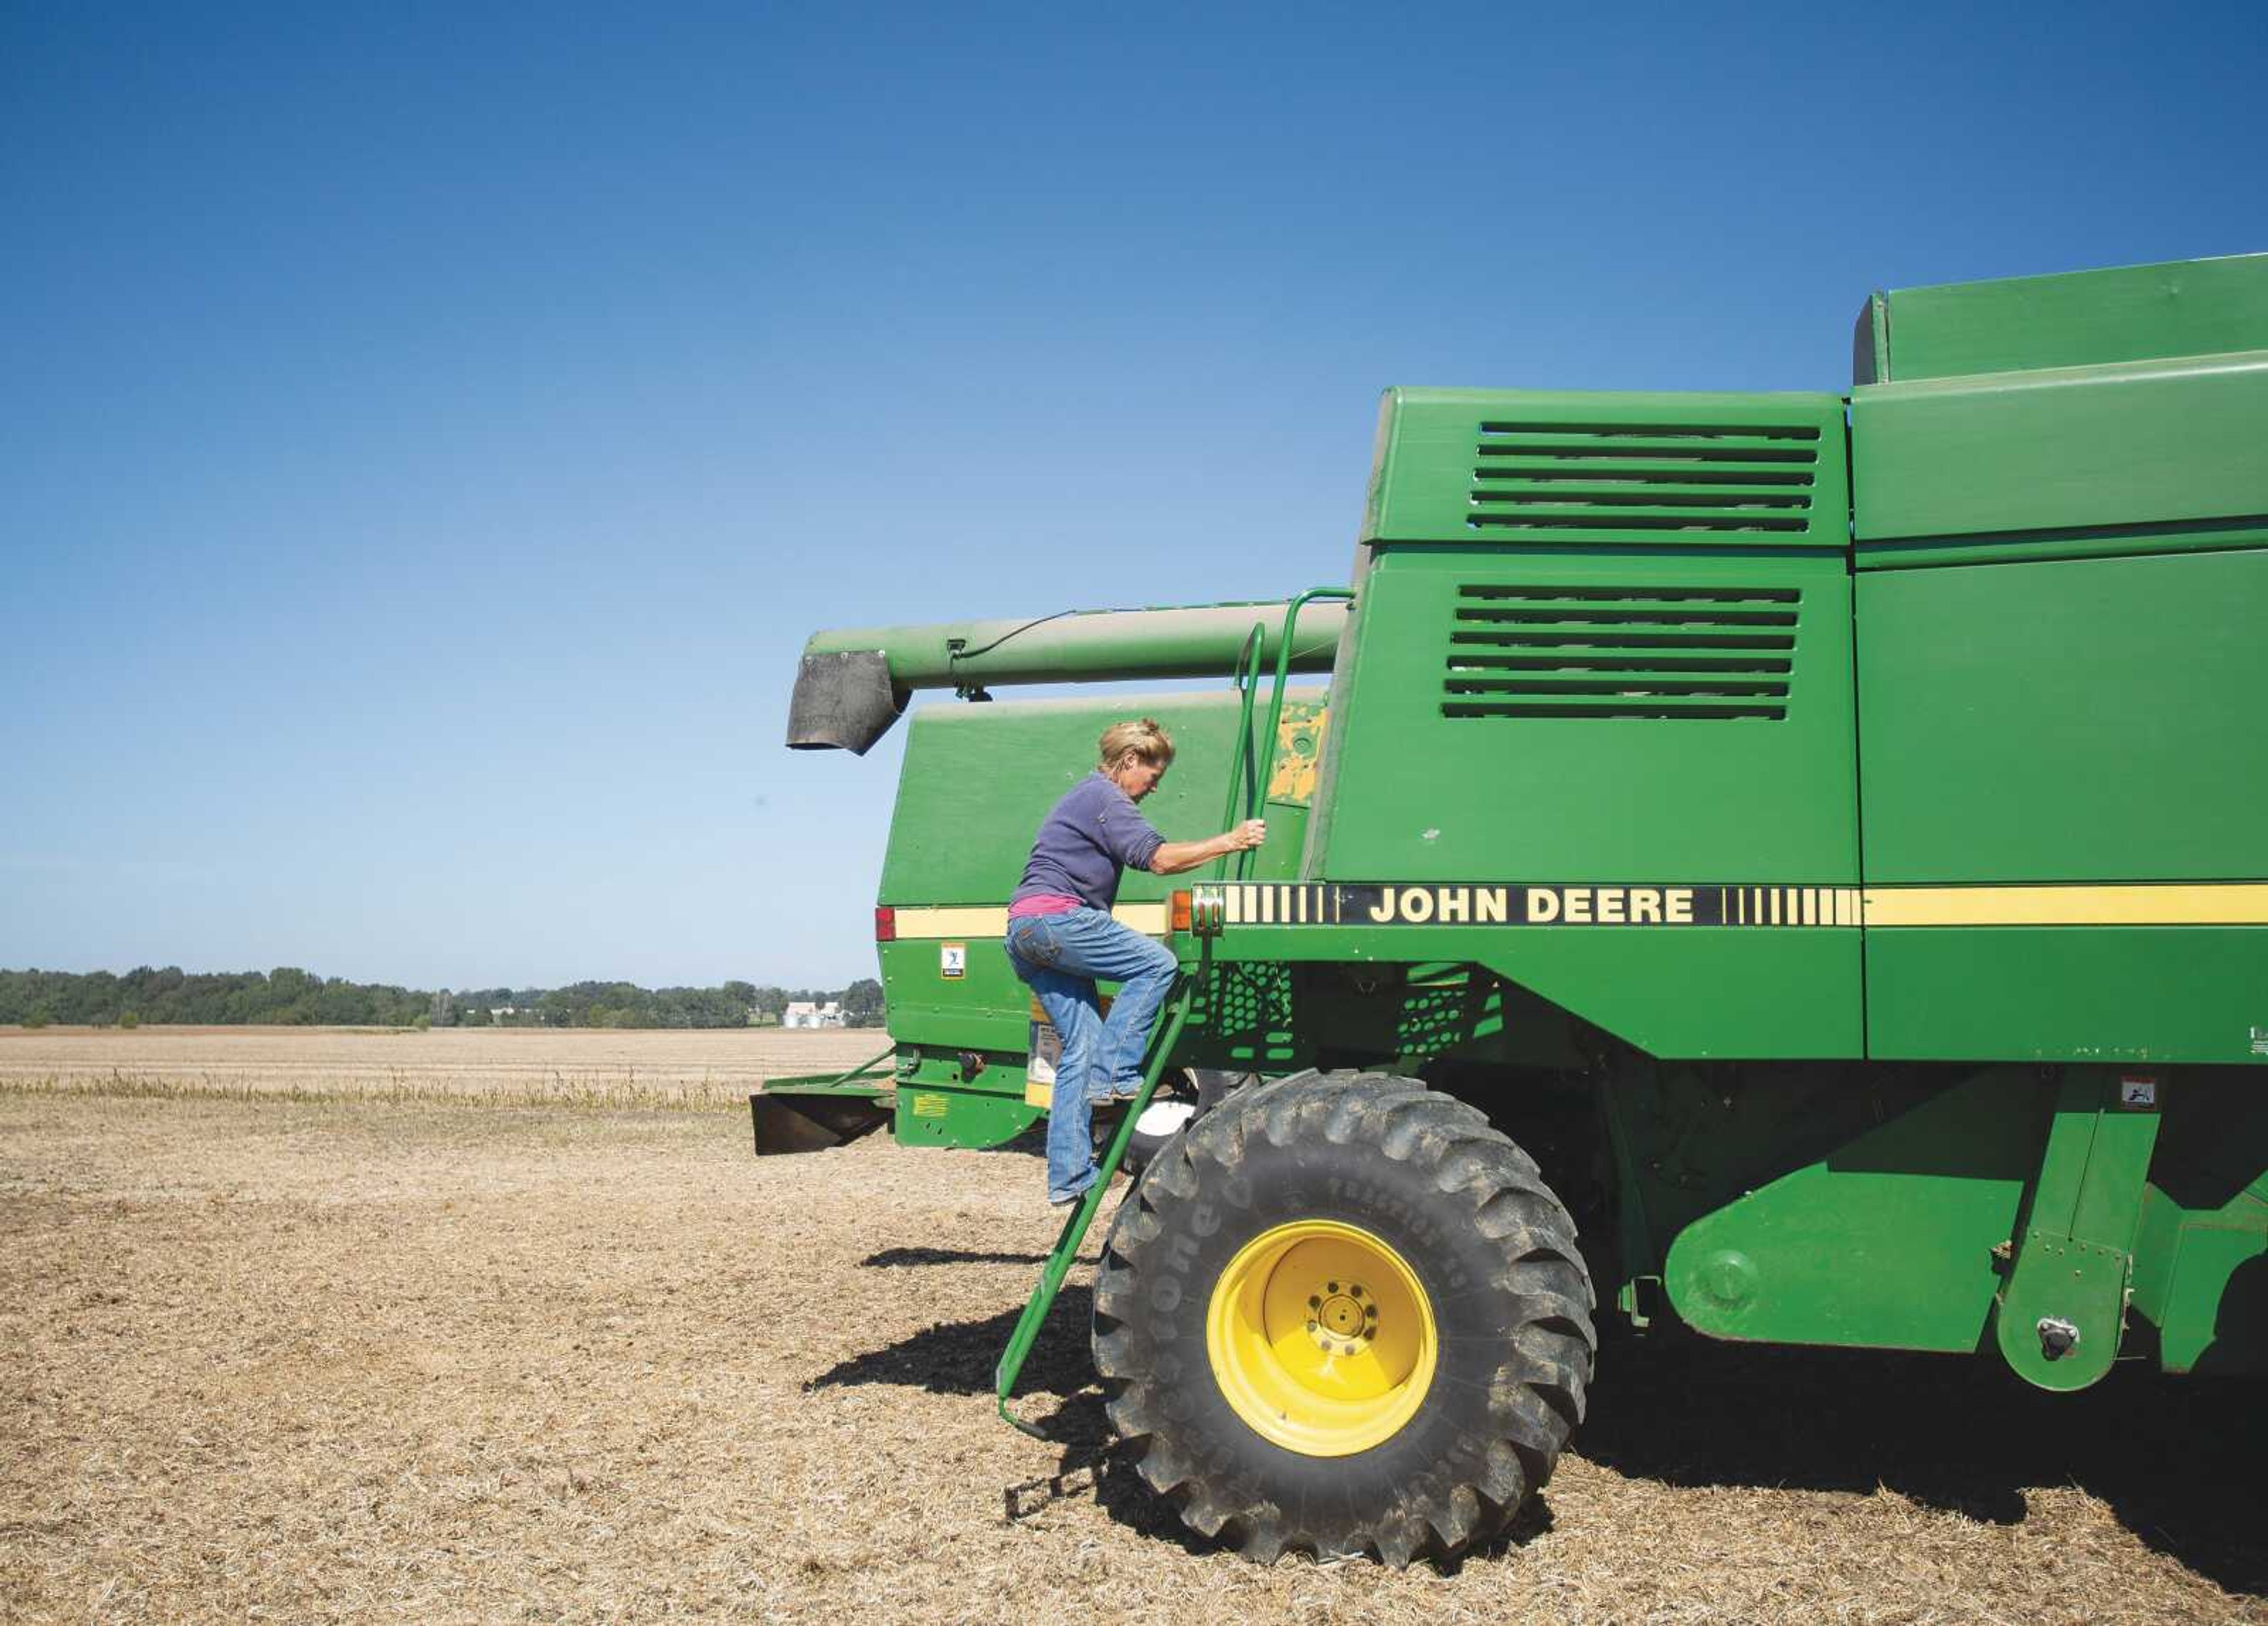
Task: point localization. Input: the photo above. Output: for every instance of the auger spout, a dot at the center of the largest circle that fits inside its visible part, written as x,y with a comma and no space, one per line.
854,683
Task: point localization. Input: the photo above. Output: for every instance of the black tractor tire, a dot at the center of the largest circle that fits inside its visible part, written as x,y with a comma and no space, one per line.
1491,1249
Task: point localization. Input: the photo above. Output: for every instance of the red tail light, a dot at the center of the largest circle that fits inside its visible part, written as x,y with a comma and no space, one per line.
885,925
1181,911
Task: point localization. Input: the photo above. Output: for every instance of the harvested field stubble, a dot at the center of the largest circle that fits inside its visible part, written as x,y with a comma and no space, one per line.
354,1359
495,1067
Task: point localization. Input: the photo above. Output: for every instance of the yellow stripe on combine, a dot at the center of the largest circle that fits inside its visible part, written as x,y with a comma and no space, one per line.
2213,904
2199,903
978,920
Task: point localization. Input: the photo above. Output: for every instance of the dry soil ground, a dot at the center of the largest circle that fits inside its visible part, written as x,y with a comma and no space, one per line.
339,1347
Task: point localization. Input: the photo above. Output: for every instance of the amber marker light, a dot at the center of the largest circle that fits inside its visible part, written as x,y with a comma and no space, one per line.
1181,911
885,925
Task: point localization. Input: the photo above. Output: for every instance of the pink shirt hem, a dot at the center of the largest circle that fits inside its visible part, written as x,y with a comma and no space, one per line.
1042,903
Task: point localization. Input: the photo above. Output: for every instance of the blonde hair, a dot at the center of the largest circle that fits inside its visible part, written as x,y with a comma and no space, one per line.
1141,738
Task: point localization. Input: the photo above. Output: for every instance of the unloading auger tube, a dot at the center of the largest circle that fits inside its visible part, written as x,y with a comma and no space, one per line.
854,683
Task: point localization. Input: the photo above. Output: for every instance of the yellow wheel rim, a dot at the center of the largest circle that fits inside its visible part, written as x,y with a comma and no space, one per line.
1321,1338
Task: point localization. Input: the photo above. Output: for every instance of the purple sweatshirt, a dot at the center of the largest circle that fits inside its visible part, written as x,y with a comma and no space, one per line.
1088,836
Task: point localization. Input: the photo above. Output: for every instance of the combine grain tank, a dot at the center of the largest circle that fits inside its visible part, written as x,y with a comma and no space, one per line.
1785,868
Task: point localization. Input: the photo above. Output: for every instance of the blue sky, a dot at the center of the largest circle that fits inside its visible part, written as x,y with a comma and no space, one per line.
428,432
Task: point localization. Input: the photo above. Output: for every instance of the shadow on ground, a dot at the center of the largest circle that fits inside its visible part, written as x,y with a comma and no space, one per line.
2173,1458
893,1257
958,1358
2176,1460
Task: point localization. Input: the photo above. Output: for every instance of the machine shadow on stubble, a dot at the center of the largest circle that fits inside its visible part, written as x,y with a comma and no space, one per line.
1684,1412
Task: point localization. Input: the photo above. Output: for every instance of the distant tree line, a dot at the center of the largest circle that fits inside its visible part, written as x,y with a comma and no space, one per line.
289,997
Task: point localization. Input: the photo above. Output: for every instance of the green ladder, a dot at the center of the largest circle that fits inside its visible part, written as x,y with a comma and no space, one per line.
1083,1212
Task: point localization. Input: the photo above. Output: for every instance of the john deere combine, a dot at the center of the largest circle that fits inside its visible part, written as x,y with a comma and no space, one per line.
1796,861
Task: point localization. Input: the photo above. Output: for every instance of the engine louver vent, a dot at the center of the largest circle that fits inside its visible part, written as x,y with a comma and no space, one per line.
1631,652
1551,479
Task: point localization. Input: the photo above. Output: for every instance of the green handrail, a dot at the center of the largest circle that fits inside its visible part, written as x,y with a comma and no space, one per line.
1240,761
1082,1215
1276,697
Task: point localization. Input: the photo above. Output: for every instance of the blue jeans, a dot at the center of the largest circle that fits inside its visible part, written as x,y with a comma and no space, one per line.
1060,956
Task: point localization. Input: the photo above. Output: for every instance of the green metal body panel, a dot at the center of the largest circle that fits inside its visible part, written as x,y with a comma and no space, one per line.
2074,319
2068,993
2201,1251
2073,1256
955,1114
2216,1320
2066,721
1719,994
1885,1242
2082,449
985,1009
2202,1279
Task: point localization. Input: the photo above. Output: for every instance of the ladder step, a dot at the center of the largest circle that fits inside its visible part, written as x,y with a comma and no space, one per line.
1082,1215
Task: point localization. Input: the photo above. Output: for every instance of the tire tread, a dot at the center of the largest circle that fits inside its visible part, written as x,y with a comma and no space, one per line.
1536,1396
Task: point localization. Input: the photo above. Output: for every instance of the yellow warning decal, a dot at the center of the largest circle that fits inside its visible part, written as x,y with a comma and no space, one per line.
1299,749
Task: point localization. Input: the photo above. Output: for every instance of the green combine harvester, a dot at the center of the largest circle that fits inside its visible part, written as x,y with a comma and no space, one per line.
1787,868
